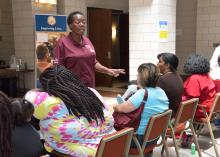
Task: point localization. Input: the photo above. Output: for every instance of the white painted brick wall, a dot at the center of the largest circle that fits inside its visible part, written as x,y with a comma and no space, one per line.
144,43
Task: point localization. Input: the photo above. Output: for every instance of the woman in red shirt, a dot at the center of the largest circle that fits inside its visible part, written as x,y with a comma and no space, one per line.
199,84
77,53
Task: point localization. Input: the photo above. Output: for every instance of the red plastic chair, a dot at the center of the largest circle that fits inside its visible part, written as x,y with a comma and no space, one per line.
112,145
156,128
116,144
185,113
209,117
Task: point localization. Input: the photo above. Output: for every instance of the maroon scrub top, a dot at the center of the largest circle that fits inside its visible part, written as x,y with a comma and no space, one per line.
79,58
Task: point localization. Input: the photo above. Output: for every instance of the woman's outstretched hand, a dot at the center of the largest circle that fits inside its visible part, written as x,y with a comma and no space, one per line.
116,72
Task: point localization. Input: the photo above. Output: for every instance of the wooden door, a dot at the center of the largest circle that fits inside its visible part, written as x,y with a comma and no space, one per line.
100,32
124,45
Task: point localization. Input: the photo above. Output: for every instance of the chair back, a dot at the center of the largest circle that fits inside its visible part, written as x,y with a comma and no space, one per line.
216,104
186,111
116,144
156,127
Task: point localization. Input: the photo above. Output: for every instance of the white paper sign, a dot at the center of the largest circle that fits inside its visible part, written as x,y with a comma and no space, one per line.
42,37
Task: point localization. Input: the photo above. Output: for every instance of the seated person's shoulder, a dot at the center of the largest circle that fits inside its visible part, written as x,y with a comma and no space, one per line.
139,94
97,94
36,94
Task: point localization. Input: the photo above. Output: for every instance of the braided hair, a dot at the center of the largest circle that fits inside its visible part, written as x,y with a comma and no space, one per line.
6,126
79,99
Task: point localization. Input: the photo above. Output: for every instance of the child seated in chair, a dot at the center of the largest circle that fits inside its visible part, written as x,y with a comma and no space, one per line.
18,137
25,138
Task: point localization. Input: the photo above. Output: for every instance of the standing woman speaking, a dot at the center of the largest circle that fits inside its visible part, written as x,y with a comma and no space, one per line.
77,53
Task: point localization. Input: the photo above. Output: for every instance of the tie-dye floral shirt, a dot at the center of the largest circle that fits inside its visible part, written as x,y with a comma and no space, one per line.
66,133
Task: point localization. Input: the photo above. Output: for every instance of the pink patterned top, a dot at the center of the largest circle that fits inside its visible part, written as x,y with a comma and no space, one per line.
65,132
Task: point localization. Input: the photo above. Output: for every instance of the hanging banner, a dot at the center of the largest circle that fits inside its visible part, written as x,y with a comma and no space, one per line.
48,30
163,31
50,23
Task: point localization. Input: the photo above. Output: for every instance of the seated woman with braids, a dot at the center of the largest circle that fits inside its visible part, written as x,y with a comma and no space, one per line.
73,118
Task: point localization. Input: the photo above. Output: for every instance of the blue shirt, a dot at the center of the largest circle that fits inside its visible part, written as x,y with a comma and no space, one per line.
157,102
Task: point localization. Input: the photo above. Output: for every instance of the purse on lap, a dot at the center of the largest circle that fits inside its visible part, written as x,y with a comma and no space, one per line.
131,119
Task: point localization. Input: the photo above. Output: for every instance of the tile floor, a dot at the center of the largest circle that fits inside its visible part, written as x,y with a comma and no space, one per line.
204,140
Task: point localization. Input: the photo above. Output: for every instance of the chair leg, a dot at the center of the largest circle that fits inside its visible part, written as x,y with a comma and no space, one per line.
195,140
212,138
162,150
165,141
180,138
138,146
175,142
166,149
200,129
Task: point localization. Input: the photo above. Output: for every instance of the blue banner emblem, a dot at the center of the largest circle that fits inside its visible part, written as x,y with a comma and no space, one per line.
50,23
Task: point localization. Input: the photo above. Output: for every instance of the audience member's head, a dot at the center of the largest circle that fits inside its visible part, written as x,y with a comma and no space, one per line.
42,53
6,126
43,56
167,62
22,110
79,99
196,64
148,75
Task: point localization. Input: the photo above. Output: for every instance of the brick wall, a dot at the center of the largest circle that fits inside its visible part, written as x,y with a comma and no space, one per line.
6,30
208,26
109,4
186,30
144,42
24,37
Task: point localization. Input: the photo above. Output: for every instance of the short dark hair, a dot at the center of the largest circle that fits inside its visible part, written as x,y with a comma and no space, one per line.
196,64
41,52
170,59
149,74
22,110
71,15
